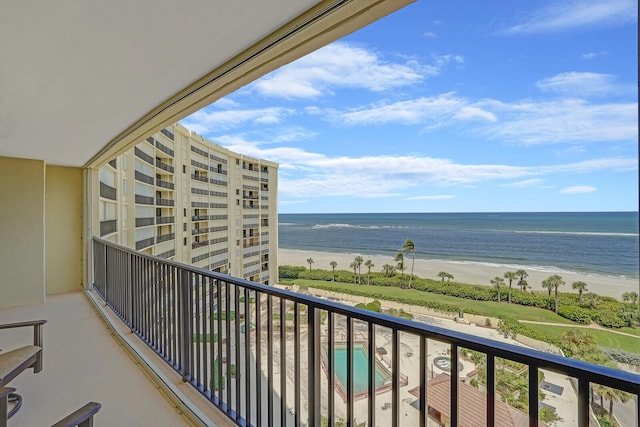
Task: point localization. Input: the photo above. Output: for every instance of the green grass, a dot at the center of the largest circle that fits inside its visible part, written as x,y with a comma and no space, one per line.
485,308
602,337
632,331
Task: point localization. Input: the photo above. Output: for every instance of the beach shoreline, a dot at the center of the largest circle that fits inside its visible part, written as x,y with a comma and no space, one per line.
464,272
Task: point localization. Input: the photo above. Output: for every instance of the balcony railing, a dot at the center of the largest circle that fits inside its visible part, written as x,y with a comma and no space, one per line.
164,184
141,222
165,220
165,237
108,227
107,191
164,202
211,329
164,166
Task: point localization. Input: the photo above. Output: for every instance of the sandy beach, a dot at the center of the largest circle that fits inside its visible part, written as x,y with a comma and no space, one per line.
465,272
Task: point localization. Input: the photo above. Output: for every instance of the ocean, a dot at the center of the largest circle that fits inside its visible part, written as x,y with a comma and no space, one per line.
602,243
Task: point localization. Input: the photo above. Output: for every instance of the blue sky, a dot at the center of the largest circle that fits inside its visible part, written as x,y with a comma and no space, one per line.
462,106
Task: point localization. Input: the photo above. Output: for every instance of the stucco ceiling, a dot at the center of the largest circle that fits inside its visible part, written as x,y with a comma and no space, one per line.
74,74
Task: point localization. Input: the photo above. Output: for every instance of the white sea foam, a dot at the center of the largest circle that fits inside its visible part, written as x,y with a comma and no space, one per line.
353,226
577,233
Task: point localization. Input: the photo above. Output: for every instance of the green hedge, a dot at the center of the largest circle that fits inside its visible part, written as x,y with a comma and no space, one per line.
577,314
606,312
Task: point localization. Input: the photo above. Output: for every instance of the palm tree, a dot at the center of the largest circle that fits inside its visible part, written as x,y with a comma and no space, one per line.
369,265
522,275
553,282
442,275
399,258
409,246
497,282
333,265
388,270
449,277
611,394
631,297
581,287
354,265
358,262
510,276
310,261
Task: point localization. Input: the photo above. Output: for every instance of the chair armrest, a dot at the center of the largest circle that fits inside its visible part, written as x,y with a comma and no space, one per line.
81,417
37,329
22,324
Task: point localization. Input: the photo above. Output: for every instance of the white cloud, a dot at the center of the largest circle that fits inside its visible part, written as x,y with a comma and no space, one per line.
344,65
430,35
583,84
578,189
212,119
475,113
305,174
437,197
564,15
561,121
525,183
435,111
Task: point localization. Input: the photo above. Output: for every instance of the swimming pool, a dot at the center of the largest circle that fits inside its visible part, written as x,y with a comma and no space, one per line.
360,368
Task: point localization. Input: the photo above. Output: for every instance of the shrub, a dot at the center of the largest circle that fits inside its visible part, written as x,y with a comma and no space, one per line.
608,319
289,272
577,314
623,356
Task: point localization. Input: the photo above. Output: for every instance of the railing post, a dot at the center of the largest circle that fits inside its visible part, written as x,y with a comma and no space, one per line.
583,402
130,278
314,365
185,325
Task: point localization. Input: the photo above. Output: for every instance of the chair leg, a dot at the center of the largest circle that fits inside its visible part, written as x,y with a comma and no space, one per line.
4,405
17,399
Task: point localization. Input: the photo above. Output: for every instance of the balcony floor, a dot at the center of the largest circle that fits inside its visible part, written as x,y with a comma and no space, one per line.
82,363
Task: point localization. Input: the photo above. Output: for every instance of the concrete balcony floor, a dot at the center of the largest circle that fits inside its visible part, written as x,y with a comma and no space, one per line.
83,362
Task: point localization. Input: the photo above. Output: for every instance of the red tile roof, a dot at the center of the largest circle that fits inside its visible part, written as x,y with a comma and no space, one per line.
472,409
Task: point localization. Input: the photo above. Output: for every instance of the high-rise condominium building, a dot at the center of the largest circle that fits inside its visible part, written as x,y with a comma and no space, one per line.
178,196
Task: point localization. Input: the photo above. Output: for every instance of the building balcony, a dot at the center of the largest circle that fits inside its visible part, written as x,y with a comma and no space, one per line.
108,227
83,362
266,356
165,220
165,184
164,166
164,202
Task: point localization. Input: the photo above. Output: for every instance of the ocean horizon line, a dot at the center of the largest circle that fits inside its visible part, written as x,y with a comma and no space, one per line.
453,212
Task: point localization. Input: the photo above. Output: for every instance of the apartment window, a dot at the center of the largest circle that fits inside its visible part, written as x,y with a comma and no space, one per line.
185,213
237,191
184,241
184,226
237,161
238,202
158,212
237,242
184,168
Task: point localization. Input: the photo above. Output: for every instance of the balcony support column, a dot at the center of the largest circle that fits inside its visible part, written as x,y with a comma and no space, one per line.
185,325
314,366
583,402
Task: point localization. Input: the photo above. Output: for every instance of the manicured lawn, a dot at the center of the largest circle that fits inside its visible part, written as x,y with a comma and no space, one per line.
634,331
485,308
603,338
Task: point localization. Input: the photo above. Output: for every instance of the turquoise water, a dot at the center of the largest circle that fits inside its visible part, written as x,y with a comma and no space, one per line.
360,367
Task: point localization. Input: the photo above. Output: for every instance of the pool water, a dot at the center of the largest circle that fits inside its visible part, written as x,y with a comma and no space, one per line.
360,369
